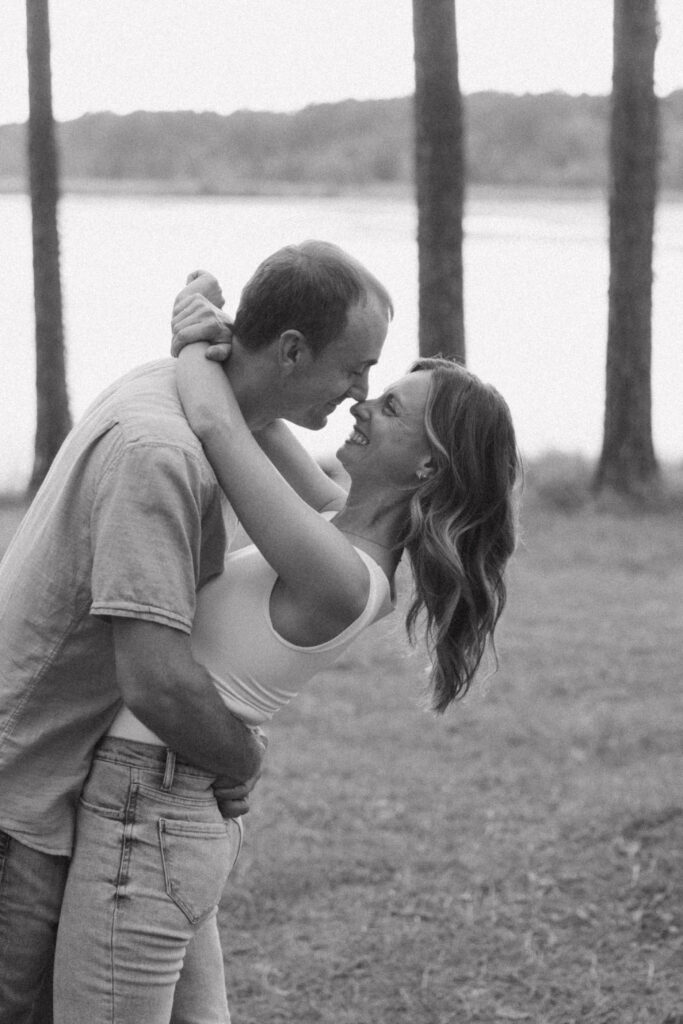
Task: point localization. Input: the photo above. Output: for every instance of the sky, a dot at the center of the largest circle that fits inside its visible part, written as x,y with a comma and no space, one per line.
225,55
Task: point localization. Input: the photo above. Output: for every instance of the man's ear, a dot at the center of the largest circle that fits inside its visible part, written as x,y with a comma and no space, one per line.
293,351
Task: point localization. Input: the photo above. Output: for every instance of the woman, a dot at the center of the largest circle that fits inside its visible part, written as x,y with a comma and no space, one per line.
432,465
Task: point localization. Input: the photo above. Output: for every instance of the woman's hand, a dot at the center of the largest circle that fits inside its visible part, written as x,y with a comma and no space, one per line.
197,317
201,282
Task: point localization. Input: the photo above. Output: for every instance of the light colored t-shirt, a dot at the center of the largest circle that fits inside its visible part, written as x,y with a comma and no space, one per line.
129,523
253,667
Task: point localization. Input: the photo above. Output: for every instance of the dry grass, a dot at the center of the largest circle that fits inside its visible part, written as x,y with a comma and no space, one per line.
520,859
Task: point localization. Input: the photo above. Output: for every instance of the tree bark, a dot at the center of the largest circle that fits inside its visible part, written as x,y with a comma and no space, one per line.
627,463
439,173
53,417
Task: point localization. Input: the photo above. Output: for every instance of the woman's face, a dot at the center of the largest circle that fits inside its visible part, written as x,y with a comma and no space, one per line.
389,441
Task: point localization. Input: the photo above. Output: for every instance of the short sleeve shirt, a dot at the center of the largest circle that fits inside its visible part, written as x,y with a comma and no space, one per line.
130,522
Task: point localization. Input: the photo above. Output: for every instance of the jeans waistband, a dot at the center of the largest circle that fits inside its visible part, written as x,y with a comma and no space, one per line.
146,755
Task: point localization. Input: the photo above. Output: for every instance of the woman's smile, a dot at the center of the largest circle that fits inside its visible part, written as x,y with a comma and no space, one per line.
357,437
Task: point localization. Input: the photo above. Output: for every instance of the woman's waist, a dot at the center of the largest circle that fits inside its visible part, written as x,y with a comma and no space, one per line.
130,742
127,727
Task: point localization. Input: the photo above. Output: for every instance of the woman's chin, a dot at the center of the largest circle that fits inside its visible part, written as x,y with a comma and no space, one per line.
346,455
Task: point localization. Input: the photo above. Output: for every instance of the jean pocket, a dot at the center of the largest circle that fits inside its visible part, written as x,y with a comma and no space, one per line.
197,858
105,791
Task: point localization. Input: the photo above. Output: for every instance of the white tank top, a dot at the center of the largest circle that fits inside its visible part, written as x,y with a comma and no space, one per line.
253,667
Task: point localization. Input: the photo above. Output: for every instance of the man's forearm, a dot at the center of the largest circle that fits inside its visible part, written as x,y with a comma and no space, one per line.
176,698
194,722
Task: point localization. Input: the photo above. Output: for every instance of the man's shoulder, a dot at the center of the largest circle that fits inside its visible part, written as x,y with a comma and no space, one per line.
145,406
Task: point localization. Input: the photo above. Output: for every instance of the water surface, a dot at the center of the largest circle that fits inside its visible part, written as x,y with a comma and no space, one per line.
536,275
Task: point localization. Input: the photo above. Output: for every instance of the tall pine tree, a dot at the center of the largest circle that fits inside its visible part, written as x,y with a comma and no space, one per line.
627,463
53,417
439,171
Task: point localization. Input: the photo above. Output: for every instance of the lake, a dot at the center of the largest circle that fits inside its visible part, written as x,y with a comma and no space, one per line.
536,276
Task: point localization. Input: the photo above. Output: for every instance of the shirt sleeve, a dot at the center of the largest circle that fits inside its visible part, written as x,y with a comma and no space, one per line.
146,527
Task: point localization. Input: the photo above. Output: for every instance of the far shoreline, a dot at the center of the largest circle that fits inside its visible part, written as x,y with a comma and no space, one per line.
186,189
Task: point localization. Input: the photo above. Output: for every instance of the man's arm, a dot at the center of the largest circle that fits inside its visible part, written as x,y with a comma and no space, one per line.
175,697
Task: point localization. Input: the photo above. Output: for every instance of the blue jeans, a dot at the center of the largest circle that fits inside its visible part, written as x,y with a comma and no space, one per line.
138,936
31,886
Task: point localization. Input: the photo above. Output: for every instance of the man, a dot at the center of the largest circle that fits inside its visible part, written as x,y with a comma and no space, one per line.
98,587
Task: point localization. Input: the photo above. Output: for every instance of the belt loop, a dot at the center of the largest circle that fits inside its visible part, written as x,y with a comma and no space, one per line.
169,770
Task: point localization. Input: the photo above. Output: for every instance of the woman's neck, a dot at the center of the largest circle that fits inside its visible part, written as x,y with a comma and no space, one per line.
376,528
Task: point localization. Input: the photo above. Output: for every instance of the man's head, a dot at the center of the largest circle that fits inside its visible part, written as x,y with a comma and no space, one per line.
326,317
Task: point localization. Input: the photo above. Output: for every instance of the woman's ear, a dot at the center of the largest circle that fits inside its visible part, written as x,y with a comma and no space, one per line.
425,469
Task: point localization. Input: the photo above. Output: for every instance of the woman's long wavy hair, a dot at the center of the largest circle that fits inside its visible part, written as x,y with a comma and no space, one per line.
462,525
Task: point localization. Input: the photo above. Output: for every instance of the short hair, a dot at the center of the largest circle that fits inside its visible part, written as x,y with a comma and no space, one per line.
308,288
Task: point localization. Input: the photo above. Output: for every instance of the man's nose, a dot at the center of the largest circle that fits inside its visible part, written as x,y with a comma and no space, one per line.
359,390
358,393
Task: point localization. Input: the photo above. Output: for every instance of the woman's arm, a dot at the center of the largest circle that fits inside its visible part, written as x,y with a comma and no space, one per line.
197,320
299,469
314,561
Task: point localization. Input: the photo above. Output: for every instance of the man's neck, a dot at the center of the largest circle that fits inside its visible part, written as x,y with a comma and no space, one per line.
250,376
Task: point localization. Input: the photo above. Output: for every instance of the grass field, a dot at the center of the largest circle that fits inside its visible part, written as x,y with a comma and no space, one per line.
519,859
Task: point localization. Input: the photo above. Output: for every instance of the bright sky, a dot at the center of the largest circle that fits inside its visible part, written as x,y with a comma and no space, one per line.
224,55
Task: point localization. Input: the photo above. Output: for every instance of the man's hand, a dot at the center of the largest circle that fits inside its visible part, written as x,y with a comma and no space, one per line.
233,801
197,316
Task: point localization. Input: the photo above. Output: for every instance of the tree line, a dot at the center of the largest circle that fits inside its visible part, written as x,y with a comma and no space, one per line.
548,140
627,464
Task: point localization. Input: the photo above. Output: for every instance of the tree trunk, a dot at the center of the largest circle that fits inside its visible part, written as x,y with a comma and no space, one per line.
53,417
439,172
627,464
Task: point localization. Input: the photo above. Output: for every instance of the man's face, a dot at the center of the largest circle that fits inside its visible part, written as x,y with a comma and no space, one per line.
341,371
